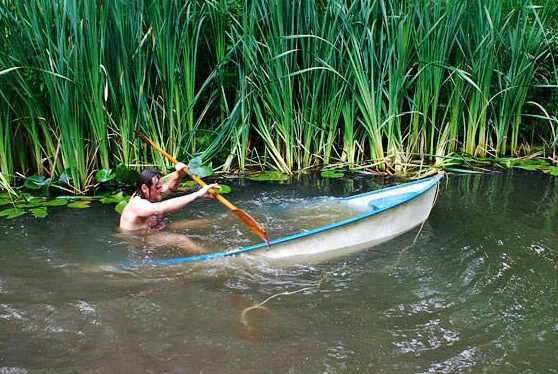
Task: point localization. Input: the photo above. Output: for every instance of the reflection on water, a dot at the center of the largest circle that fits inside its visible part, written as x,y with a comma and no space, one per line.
478,292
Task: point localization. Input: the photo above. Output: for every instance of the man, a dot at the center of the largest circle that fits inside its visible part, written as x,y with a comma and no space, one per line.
145,211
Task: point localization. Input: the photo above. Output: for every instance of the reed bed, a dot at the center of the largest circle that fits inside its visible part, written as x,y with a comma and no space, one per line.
382,85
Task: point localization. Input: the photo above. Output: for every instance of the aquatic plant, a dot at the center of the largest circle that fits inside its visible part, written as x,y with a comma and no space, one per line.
378,85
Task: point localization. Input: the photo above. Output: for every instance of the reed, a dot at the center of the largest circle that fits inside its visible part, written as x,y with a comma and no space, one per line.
281,84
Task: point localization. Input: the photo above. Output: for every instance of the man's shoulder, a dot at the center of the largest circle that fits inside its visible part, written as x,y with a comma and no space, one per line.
138,201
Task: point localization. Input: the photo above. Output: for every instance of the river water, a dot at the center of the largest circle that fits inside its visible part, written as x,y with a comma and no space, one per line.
477,292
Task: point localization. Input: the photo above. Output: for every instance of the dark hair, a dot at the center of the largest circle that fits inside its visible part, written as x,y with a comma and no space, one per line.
146,177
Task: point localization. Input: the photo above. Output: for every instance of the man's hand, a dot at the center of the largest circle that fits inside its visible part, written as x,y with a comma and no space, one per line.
181,169
203,191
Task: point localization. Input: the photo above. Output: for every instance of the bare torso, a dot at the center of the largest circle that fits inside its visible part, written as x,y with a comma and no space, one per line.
129,221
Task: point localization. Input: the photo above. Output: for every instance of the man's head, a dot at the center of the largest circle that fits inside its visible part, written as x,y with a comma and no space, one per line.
149,185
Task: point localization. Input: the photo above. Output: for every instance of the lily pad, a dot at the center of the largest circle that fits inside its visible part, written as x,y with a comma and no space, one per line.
224,189
553,170
104,175
36,182
79,204
56,202
268,176
120,206
40,212
12,213
188,185
332,174
528,167
116,198
196,167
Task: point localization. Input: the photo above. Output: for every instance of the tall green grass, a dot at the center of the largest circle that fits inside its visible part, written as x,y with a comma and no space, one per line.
281,84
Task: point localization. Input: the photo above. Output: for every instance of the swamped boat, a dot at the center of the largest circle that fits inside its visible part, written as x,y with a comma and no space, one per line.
379,216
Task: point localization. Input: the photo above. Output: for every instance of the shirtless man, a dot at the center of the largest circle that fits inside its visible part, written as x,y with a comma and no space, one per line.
145,211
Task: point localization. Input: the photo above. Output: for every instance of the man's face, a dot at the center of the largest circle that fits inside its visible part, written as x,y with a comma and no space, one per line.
155,192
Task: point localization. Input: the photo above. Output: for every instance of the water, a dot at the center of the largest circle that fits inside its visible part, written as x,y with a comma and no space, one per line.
476,293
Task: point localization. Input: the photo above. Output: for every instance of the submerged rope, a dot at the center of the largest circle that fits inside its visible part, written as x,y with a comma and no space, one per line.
286,293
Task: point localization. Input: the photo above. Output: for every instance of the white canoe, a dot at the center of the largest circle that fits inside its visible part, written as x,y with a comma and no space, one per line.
379,216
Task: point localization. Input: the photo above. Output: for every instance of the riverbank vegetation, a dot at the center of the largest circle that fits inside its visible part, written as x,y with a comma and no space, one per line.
379,85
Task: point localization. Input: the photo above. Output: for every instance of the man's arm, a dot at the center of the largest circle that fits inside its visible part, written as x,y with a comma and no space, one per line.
174,180
145,208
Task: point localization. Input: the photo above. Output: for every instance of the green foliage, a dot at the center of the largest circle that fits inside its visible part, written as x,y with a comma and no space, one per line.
12,213
332,174
119,208
82,204
224,189
268,176
283,84
36,182
196,167
104,175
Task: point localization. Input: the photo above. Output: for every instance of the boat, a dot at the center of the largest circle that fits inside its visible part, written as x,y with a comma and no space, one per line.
379,216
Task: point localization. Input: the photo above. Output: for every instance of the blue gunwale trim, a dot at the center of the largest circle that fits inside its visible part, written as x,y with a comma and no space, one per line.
429,183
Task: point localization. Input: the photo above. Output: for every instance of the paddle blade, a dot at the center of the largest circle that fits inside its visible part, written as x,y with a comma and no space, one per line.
252,224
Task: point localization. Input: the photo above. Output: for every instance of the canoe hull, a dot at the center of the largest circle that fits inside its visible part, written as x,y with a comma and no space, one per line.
355,236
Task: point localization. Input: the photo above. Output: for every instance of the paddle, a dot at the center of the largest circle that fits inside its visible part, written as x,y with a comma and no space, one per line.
242,215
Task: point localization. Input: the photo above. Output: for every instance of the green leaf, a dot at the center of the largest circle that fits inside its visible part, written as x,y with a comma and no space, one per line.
56,202
553,171
509,163
104,175
533,161
189,185
268,176
65,177
120,206
116,198
39,212
125,175
36,182
224,189
195,167
4,202
332,174
79,204
528,168
12,213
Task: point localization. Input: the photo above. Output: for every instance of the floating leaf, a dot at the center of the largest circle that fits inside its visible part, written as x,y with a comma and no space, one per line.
533,162
188,185
273,176
332,174
125,175
528,168
36,182
56,202
39,212
12,213
195,167
116,198
224,189
553,171
120,206
4,201
104,175
79,204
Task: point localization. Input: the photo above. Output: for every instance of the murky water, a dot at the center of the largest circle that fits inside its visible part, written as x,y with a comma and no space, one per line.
476,293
